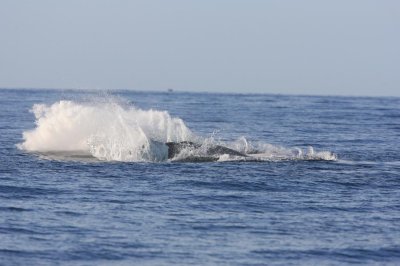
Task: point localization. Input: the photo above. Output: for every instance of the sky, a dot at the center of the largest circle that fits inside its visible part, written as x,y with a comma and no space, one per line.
337,47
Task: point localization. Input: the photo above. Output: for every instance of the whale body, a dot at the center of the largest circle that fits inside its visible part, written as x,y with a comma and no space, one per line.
199,153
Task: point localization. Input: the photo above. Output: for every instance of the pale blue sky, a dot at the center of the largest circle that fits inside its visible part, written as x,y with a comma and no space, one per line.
345,47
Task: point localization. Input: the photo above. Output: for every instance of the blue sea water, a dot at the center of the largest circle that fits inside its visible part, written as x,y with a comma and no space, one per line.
76,188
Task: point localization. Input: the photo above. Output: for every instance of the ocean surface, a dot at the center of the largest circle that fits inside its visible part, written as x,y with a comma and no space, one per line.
85,180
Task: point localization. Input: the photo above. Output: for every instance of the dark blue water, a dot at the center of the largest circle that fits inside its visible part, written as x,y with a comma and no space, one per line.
90,212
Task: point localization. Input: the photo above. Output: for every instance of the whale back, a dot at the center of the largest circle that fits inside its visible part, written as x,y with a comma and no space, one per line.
174,148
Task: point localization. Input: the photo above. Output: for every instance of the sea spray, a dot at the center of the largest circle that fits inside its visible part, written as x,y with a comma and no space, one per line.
108,129
263,151
105,130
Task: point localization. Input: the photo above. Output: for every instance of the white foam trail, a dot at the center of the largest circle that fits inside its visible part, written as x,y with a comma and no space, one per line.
107,131
262,151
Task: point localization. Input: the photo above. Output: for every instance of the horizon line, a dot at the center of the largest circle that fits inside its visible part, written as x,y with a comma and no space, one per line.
172,90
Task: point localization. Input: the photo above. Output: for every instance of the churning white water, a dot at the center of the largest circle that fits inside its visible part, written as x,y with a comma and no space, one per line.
107,131
114,132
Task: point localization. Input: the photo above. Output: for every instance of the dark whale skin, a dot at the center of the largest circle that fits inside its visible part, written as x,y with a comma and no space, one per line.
174,148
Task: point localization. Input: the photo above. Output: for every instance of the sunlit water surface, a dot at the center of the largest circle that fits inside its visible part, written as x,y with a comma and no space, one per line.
77,188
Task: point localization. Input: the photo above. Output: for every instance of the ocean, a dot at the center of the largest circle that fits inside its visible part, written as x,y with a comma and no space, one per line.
85,179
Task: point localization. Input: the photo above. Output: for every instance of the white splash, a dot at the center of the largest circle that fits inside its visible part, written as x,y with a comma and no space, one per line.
105,130
261,151
111,131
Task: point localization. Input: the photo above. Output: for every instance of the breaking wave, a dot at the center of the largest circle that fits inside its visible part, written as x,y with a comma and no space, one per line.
112,131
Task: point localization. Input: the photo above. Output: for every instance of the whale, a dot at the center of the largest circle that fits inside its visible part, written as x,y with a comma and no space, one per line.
199,152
